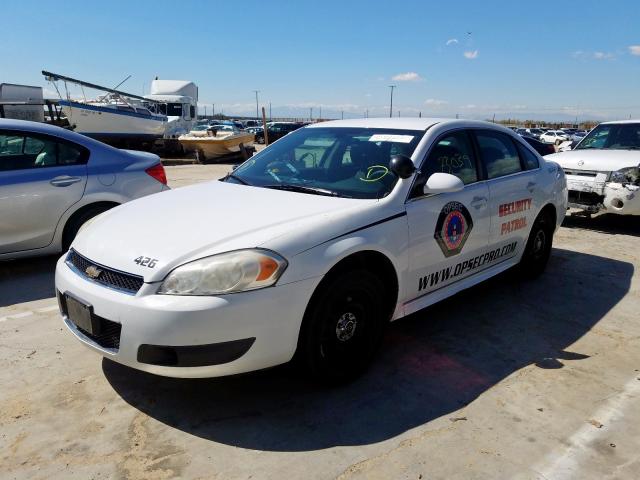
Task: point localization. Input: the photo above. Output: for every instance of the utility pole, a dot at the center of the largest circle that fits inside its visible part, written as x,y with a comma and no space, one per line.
391,103
420,115
310,114
205,111
366,113
269,111
257,114
320,115
342,115
213,108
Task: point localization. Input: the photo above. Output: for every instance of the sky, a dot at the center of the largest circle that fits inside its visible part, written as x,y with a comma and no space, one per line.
555,61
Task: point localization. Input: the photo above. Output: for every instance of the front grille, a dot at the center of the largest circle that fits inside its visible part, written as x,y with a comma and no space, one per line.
109,336
584,173
585,198
107,276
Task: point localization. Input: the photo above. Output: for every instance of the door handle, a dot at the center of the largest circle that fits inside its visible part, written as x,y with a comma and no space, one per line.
64,181
531,186
479,202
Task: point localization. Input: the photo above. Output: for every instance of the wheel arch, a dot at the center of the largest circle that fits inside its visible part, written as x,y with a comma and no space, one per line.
374,262
551,210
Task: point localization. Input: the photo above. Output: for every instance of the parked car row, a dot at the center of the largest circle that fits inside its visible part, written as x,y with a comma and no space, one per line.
554,137
275,130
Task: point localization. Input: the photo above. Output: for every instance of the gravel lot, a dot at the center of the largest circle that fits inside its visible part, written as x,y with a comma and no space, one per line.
511,379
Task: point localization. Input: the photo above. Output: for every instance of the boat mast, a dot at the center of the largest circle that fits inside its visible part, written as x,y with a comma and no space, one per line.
52,77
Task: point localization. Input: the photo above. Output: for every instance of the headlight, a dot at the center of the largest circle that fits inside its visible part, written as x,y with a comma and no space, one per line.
626,175
230,272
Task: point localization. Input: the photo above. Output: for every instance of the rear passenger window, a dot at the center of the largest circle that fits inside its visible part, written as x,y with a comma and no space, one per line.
529,160
452,154
20,152
498,153
69,155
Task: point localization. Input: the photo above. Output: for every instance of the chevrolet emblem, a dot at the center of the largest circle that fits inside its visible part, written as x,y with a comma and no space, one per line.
93,272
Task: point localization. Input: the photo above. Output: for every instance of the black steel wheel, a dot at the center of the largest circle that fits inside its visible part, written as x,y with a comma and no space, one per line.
343,326
538,249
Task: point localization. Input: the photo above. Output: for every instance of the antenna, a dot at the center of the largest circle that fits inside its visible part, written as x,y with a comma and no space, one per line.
128,77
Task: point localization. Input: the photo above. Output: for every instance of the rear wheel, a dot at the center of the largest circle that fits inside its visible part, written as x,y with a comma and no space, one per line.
343,327
538,249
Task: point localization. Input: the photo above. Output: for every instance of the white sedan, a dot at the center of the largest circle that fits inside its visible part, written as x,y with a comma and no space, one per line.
310,247
555,137
53,180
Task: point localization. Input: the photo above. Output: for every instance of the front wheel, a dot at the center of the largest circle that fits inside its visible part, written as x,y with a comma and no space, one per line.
538,249
343,326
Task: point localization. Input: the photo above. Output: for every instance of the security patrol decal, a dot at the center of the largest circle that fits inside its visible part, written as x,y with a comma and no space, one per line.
453,228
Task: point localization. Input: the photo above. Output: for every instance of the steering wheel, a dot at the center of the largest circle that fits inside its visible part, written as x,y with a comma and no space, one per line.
375,173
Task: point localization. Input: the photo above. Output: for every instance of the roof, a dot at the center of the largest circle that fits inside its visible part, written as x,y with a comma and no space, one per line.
401,123
45,128
620,121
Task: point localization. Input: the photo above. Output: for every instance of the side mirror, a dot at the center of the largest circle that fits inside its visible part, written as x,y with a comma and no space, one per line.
402,166
443,183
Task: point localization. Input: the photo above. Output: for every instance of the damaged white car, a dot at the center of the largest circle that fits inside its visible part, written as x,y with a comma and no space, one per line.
603,172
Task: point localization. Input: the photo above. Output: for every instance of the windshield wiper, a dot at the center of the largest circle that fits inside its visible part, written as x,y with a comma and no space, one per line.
236,177
302,189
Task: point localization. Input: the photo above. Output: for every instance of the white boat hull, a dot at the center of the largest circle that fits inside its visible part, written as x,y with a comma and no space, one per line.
108,124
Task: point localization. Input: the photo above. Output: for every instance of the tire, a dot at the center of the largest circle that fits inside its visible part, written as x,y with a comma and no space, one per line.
74,225
538,249
343,327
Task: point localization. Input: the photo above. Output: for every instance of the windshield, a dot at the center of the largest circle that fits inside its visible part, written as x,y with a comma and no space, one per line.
345,162
174,109
621,136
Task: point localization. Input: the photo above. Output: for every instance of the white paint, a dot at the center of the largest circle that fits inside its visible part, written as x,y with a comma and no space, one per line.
568,465
391,138
28,313
47,309
16,316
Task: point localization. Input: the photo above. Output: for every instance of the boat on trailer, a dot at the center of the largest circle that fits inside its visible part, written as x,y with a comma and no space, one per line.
117,118
216,142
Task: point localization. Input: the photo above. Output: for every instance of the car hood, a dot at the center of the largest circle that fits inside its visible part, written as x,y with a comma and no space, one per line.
596,160
185,224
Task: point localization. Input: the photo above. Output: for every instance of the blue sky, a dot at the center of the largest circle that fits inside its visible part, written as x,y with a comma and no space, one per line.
472,58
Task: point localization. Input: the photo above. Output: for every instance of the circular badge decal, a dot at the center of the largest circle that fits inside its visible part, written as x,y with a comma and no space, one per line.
453,228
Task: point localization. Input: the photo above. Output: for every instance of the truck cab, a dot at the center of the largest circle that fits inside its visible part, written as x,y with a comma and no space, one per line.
178,100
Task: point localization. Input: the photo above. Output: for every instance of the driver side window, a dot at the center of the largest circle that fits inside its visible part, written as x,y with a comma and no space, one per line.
452,153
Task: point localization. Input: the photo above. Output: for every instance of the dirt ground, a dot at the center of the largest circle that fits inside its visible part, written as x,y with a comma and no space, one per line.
508,380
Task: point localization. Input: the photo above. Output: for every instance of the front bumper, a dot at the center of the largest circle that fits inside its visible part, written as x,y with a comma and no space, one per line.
199,327
593,194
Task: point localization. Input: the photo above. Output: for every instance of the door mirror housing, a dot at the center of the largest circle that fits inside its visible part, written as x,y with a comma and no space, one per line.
443,183
402,166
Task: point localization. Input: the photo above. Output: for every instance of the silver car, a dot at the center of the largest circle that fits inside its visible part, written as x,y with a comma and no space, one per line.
53,180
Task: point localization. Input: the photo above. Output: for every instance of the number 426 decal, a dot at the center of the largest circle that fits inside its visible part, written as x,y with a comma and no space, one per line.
146,261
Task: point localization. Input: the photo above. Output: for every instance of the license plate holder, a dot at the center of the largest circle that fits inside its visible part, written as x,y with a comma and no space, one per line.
81,315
